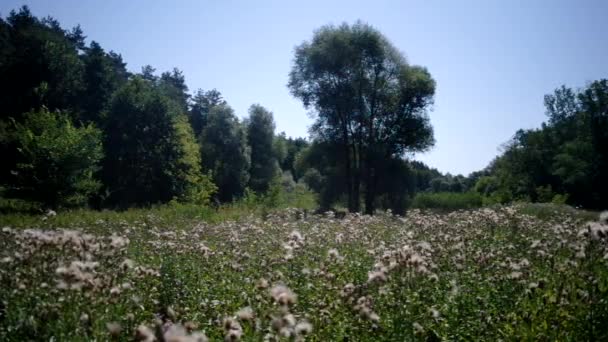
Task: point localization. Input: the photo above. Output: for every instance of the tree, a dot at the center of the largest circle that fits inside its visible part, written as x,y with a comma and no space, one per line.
366,98
40,65
193,185
260,136
396,184
56,160
202,103
567,157
322,170
173,85
103,74
225,153
286,150
149,155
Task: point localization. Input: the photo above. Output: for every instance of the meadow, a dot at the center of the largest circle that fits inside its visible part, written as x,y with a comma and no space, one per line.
502,273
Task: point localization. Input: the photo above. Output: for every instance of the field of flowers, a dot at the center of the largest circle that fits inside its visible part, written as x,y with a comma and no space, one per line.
488,274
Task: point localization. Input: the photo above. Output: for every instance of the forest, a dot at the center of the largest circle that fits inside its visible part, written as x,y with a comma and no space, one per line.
79,129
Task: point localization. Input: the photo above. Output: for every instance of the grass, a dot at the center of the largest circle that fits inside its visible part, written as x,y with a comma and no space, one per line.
252,273
547,210
447,200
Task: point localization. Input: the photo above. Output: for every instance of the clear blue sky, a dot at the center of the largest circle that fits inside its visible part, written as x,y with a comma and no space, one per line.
493,60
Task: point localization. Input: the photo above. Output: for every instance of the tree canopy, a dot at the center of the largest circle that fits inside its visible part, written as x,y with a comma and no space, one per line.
367,99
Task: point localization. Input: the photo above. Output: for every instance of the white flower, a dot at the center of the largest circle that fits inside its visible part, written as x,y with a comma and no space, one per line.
303,328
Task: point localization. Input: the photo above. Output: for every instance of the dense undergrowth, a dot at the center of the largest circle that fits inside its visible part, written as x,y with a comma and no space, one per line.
510,273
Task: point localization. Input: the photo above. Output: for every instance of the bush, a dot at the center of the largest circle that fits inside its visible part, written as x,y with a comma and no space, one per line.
56,160
447,200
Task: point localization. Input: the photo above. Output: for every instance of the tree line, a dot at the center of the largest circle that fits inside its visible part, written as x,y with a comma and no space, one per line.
564,161
78,128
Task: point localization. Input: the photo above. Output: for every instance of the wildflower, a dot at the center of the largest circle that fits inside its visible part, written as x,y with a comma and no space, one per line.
333,254
347,290
285,332
144,334
232,330
604,217
303,328
171,313
296,236
289,320
114,329
434,313
418,329
262,283
373,317
283,295
190,326
515,275
376,276
118,242
127,264
177,333
245,314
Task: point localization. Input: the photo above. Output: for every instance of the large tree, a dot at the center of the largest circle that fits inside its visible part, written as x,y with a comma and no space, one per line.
39,64
173,85
150,153
104,73
260,135
367,99
225,152
202,103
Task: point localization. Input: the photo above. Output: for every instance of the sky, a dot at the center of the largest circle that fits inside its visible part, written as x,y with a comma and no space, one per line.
493,61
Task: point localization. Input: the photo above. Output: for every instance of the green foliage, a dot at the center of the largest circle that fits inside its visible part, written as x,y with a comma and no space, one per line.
273,197
368,102
173,85
202,103
544,194
287,158
197,187
40,65
225,152
313,178
567,155
150,153
56,161
260,136
103,74
447,200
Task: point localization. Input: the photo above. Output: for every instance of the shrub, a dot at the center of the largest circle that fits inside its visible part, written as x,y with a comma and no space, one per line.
56,160
447,200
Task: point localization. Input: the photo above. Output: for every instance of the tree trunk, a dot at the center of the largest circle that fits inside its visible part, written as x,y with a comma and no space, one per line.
370,188
348,171
356,182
